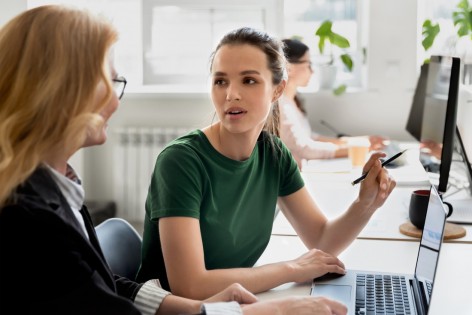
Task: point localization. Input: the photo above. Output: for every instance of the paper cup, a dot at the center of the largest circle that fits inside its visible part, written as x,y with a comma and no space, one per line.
358,149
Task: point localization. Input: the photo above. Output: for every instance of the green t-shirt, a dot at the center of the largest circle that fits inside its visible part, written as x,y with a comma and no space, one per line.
234,200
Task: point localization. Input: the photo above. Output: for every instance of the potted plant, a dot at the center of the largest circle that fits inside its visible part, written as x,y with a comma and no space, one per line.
462,19
461,41
328,71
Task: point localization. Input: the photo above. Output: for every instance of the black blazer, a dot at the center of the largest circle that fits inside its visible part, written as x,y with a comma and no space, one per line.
47,266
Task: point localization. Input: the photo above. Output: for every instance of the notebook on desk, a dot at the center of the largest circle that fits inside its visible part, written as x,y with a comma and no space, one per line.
462,211
366,292
390,149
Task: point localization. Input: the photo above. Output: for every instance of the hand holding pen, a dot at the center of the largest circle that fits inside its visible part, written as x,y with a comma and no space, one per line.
376,183
386,162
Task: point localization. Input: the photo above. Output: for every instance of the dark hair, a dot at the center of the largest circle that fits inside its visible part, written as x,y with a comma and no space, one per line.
294,50
273,49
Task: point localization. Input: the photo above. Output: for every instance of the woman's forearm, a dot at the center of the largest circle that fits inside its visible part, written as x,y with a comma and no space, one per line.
177,305
350,223
255,279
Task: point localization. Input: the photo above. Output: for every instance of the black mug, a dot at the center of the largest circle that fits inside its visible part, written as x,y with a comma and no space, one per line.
419,204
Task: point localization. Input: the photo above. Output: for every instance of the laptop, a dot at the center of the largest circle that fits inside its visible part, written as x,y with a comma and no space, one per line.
365,292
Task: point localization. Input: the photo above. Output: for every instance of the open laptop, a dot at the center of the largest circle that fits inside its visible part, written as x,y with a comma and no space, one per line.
365,292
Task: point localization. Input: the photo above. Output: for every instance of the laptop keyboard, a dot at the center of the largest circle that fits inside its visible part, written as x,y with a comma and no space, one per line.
381,294
429,287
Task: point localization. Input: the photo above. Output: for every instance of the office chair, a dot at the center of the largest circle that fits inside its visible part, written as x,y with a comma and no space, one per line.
121,245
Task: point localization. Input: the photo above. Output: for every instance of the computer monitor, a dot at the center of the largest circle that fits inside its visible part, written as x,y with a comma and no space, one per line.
415,118
462,150
464,133
464,116
438,126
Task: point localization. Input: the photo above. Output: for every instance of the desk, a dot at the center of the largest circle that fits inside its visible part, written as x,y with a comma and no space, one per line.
453,283
333,193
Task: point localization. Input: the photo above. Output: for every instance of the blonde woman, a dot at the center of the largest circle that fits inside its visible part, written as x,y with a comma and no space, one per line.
58,89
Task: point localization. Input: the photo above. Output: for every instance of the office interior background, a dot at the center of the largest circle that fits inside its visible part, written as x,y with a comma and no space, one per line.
165,46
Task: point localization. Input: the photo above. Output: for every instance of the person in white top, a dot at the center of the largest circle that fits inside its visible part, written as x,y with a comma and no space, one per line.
295,129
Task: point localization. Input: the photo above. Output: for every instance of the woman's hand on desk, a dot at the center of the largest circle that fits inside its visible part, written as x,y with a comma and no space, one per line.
234,292
377,186
314,264
377,142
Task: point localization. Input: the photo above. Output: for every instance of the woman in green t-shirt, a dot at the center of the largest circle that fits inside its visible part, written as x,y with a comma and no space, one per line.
211,201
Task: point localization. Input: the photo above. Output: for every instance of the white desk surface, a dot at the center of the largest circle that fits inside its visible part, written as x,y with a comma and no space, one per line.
453,283
333,192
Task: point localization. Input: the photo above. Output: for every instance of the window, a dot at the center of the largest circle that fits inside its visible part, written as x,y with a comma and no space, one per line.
126,16
447,41
165,45
181,35
302,19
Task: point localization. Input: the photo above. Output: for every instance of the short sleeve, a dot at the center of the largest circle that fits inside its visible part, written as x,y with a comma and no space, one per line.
176,184
290,177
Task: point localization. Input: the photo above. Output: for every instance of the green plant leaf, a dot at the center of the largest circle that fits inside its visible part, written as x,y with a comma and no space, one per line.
463,18
463,4
430,31
321,44
347,61
340,90
339,40
323,32
324,29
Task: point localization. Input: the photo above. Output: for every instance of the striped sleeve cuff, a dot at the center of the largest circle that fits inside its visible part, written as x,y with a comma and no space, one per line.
227,308
150,297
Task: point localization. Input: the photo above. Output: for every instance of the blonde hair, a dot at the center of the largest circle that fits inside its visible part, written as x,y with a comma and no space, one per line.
52,59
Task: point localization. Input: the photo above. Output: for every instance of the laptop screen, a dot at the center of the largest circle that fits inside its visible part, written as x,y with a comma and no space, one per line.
430,244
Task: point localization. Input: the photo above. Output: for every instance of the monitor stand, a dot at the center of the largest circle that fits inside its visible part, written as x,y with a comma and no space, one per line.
459,192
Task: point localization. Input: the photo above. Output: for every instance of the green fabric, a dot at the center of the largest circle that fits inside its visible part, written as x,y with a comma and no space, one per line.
234,200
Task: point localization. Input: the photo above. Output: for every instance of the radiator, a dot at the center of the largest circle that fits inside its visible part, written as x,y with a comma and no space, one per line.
135,153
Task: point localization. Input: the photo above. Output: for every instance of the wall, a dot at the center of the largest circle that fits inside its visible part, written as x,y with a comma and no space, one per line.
392,72
190,111
9,9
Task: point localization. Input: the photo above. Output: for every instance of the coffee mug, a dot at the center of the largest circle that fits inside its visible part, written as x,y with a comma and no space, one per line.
419,204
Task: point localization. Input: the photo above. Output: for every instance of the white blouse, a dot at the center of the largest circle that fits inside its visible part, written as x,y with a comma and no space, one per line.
296,133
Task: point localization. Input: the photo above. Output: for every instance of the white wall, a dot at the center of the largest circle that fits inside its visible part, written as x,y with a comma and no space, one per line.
191,111
392,72
9,9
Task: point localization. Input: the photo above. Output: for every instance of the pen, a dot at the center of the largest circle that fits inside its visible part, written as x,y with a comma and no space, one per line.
393,158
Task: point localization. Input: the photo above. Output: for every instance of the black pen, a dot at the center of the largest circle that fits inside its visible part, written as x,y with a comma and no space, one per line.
393,158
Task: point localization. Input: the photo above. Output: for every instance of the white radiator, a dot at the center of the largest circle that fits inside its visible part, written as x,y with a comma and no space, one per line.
135,153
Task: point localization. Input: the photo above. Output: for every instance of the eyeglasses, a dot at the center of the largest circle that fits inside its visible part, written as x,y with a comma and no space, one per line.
303,62
119,84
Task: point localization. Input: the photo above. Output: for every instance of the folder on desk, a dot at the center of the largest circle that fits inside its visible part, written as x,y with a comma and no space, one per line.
410,175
